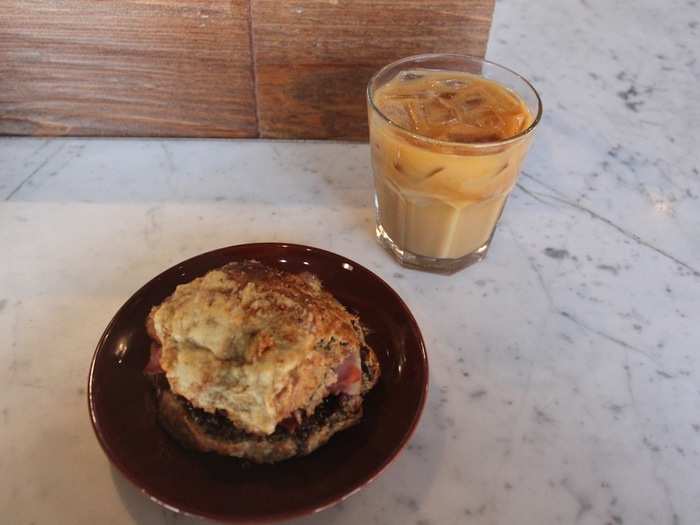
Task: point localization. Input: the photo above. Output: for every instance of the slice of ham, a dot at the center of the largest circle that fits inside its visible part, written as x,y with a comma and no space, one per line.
349,376
290,424
153,366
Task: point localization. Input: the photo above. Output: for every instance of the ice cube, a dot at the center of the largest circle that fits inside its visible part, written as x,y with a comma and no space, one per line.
456,107
439,111
416,113
450,84
407,76
462,132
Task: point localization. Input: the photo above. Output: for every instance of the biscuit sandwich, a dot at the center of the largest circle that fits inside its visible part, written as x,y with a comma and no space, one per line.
257,363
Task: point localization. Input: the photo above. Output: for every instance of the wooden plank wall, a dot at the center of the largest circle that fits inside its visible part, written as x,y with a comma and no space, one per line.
313,58
213,68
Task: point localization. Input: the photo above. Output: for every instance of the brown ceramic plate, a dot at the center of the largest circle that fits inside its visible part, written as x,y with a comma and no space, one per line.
122,403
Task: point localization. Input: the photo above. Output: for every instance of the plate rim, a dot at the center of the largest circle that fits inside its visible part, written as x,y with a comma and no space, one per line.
272,516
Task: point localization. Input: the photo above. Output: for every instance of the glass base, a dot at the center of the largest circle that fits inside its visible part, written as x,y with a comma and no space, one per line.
430,264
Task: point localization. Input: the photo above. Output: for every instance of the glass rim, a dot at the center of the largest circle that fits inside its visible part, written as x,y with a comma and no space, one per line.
477,145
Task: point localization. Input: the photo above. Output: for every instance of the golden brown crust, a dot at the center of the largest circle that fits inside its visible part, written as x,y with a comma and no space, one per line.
295,301
256,342
370,370
247,339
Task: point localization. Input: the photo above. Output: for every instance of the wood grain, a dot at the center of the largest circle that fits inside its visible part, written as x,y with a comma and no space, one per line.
313,58
194,68
126,67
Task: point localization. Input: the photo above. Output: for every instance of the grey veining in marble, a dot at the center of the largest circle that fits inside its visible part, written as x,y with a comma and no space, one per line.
565,374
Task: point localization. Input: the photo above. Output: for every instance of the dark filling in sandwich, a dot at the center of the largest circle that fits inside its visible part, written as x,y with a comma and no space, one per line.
364,359
218,425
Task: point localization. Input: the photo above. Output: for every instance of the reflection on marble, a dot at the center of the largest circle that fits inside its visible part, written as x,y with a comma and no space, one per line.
564,370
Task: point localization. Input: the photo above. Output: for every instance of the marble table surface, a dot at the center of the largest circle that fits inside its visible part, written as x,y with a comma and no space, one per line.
565,369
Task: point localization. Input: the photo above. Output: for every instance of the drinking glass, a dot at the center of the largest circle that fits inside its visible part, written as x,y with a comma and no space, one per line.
439,193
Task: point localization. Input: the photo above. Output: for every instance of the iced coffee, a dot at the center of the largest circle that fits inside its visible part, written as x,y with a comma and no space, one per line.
447,146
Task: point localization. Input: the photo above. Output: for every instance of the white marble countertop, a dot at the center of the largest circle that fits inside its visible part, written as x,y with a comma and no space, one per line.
565,372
